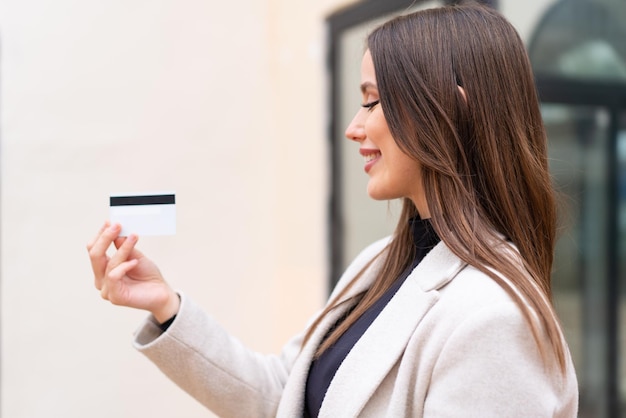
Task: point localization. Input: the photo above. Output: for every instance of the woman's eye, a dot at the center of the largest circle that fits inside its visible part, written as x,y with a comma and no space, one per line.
370,105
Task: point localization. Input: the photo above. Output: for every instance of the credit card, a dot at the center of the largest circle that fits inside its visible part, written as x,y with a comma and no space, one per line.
145,213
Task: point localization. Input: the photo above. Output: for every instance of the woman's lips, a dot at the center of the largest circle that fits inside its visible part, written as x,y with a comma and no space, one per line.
371,156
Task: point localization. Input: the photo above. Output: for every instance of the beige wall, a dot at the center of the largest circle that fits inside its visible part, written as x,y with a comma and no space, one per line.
223,102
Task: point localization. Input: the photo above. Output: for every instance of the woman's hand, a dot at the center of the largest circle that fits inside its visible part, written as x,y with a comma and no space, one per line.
128,278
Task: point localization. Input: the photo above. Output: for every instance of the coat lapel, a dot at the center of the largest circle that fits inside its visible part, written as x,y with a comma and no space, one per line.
292,403
384,342
293,394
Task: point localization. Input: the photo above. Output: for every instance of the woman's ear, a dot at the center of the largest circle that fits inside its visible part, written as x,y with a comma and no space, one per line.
462,91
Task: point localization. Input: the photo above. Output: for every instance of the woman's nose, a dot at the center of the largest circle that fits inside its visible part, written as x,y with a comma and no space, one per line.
355,130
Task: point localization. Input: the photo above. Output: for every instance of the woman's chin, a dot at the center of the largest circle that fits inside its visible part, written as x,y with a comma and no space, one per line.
376,193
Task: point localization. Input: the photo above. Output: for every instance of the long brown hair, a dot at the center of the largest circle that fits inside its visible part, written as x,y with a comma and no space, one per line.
483,154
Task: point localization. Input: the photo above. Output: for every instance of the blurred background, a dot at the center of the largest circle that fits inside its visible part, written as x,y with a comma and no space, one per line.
240,108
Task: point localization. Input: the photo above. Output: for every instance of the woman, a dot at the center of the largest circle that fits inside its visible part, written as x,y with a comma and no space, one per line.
451,316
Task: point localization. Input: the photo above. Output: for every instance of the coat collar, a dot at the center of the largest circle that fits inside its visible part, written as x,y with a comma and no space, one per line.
381,345
385,340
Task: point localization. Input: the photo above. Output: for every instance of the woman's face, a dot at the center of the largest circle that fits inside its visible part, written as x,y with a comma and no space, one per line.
393,174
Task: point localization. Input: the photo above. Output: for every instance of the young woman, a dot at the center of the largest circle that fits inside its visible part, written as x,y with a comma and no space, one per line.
451,316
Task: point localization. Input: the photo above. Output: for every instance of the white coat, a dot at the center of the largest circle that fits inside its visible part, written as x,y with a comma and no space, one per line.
450,343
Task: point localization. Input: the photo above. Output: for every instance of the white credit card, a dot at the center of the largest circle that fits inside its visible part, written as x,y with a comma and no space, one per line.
145,213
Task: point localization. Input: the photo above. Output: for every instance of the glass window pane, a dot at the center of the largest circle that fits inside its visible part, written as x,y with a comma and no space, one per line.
578,143
581,40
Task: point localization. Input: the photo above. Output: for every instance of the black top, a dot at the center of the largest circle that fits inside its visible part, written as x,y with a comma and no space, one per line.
323,368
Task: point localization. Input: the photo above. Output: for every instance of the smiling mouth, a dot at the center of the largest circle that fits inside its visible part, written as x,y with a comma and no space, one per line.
371,157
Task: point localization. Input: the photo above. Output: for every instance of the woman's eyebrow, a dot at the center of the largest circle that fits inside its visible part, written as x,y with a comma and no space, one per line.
368,85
